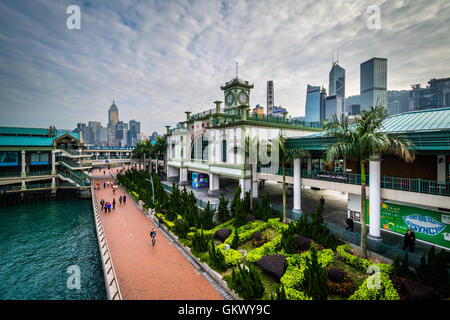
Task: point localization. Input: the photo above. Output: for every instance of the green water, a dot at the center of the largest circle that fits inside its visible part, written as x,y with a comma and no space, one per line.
38,242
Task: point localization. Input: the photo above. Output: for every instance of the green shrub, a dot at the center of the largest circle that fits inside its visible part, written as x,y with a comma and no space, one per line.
247,284
275,224
199,242
235,243
223,212
236,200
288,240
270,247
385,290
358,263
433,271
216,257
239,215
315,278
232,257
206,218
246,231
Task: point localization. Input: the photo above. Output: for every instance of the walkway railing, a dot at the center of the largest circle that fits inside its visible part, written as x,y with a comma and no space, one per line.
111,283
78,177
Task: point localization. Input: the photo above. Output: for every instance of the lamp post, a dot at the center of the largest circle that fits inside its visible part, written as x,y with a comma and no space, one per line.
153,188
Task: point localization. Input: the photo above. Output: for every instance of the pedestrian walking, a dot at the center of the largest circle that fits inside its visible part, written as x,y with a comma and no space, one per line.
349,222
322,201
109,207
124,199
120,199
102,202
106,207
104,172
153,236
104,185
409,240
114,203
159,222
107,183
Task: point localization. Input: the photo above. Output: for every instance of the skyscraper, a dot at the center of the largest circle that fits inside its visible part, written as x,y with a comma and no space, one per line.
435,95
270,96
315,103
133,132
113,120
373,85
333,105
337,82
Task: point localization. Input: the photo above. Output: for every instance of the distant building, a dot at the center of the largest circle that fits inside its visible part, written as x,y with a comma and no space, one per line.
353,109
435,95
333,105
337,83
315,103
373,83
278,111
394,107
93,132
258,110
134,133
82,129
270,96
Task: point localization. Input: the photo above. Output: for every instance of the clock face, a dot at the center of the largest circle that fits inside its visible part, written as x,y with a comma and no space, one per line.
242,98
229,99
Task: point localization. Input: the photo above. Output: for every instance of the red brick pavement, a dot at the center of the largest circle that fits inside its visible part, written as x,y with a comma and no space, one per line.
144,271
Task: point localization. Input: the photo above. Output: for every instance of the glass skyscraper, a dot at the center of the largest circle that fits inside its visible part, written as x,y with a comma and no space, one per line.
315,104
373,83
337,82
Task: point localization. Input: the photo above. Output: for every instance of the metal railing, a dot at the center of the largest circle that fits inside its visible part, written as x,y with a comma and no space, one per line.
10,174
111,284
83,181
404,184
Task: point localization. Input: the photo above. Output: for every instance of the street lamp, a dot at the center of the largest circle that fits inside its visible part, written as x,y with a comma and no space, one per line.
153,188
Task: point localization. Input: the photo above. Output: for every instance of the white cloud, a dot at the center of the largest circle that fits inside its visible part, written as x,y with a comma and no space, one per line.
157,59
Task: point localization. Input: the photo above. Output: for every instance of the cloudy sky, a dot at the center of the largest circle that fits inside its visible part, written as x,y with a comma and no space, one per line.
157,59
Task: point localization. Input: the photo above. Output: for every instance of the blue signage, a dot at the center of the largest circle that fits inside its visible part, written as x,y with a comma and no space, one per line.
424,224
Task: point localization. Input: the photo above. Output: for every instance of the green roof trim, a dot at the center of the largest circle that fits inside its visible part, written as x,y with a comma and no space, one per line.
428,130
36,137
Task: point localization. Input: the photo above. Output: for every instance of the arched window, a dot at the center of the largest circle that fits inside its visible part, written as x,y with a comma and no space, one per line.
224,150
199,149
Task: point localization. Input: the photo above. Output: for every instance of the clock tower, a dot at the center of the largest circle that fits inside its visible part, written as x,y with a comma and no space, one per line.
236,94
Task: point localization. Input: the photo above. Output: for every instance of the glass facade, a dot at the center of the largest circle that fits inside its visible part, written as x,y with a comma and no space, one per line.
312,108
373,83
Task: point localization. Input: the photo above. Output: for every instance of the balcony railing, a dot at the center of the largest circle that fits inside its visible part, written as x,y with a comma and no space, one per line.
28,174
10,174
395,183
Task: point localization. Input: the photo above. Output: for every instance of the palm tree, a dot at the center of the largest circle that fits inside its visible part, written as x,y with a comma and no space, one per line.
360,142
250,146
285,157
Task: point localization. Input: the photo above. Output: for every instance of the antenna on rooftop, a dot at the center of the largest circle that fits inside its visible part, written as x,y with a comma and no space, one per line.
337,60
236,70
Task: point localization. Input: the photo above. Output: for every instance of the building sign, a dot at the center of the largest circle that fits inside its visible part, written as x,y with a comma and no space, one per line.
332,176
428,225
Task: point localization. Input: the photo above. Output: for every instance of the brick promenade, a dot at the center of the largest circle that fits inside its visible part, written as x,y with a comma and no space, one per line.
144,271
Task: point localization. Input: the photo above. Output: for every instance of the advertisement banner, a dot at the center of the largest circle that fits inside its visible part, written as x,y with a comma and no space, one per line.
428,225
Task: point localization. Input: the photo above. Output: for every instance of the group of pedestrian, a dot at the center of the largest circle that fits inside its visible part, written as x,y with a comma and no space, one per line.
106,206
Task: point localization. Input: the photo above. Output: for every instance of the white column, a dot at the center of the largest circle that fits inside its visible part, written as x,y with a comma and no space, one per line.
374,199
23,165
53,162
297,186
245,186
213,185
441,163
23,187
309,165
255,181
183,176
53,182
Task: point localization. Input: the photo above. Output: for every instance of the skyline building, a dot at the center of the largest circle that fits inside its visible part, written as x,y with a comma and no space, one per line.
270,96
315,103
435,95
337,82
373,83
333,105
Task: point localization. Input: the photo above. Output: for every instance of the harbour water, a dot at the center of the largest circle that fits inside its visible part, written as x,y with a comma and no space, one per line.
42,248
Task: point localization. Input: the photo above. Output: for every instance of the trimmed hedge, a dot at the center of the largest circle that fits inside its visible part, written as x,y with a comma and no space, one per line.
266,249
232,257
246,232
358,263
386,291
275,224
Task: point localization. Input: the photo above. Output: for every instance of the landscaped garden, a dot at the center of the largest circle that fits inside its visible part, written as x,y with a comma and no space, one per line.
259,257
